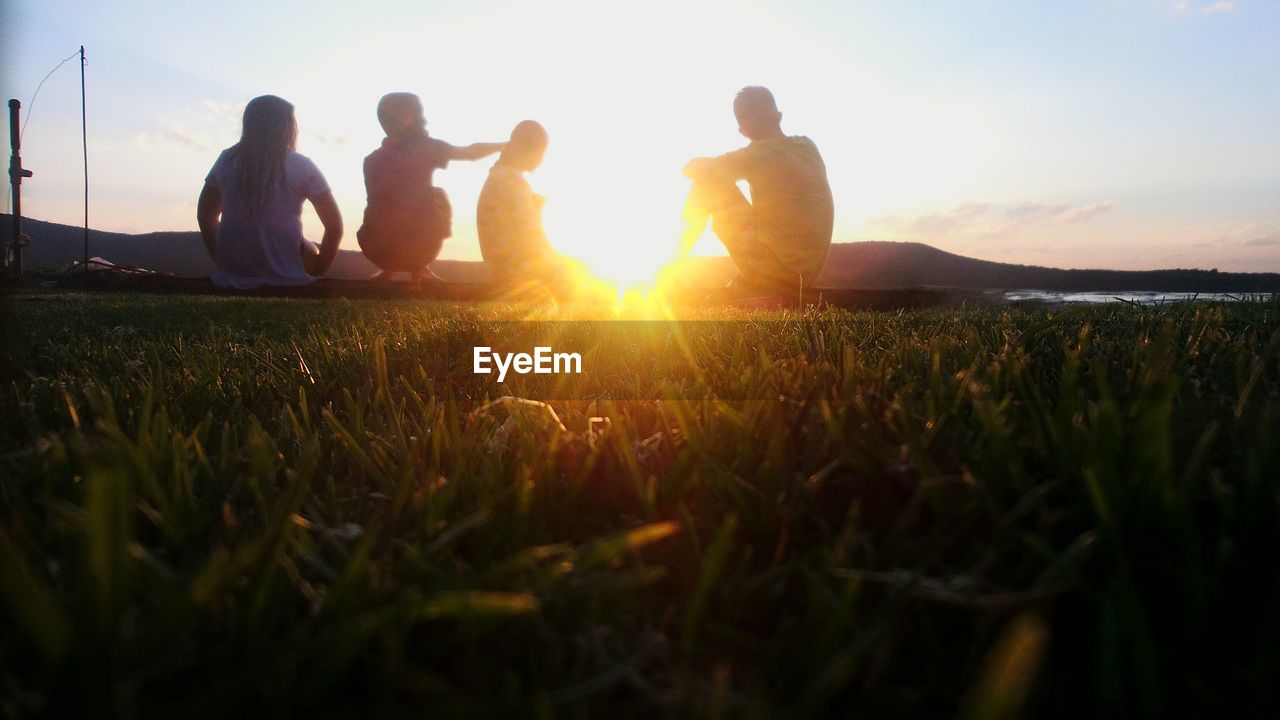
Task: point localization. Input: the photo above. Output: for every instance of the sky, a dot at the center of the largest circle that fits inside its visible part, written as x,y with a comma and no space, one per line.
1128,134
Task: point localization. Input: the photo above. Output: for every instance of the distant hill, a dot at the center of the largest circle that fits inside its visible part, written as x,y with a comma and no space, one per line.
54,246
893,264
871,265
885,265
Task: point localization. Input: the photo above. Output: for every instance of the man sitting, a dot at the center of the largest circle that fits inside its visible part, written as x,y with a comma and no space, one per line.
779,239
509,216
407,218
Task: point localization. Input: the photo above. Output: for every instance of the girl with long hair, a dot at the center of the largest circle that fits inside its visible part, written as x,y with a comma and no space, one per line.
250,210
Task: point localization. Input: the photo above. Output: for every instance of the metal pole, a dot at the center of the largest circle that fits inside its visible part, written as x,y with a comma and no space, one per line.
84,136
16,173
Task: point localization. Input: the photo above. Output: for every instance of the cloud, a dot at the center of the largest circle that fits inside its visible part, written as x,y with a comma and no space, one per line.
1249,234
1033,212
205,127
1086,212
1217,7
171,136
1208,8
1029,212
220,110
1244,235
937,222
183,137
972,219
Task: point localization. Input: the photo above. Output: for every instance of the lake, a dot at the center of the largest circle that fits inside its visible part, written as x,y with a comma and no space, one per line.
1139,297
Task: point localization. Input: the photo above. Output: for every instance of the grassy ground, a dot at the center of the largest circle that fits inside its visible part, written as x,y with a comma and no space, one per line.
215,505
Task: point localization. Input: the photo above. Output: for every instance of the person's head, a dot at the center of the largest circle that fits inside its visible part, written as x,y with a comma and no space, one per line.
527,146
400,113
269,123
269,132
757,113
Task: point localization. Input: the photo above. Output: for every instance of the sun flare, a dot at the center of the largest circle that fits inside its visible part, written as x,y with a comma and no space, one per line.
623,237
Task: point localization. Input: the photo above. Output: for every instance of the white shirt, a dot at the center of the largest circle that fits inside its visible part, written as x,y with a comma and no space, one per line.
253,251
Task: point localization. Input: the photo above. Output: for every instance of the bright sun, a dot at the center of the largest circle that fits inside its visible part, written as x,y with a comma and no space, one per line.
625,234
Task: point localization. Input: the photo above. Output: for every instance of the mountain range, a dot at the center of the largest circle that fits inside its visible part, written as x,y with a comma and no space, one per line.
870,265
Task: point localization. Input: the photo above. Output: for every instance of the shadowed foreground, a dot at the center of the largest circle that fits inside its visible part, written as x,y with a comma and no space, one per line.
216,504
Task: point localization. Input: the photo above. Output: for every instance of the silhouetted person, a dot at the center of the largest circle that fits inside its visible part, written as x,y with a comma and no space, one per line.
779,239
407,218
250,210
509,216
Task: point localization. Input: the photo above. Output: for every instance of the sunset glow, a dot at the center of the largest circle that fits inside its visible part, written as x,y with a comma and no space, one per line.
982,131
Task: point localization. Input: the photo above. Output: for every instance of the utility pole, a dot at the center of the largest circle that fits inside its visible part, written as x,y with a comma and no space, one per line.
84,136
13,254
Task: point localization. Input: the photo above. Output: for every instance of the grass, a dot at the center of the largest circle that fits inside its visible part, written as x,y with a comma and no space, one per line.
217,506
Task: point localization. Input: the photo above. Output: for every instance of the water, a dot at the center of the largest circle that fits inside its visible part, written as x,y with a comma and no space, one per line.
1140,297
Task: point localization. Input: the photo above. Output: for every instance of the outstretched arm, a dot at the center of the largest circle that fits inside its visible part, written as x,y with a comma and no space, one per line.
327,208
475,151
208,209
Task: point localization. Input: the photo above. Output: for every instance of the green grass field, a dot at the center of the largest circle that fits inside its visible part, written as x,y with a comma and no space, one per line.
218,506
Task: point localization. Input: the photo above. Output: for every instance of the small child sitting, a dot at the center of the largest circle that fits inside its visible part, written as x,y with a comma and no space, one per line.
509,216
407,218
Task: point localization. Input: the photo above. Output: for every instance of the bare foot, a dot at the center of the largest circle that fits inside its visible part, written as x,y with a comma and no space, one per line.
425,275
